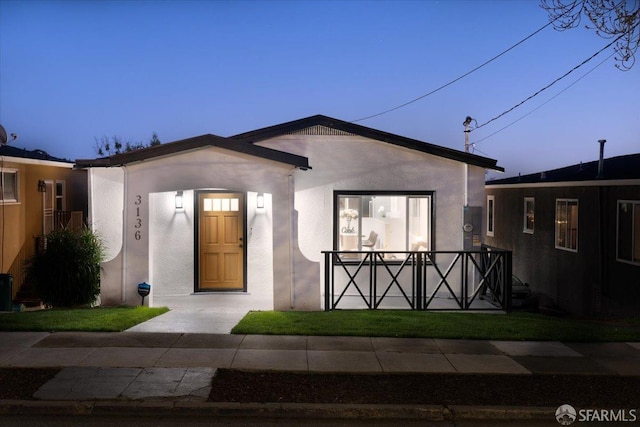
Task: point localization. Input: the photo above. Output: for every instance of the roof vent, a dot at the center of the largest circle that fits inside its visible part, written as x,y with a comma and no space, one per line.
320,130
601,160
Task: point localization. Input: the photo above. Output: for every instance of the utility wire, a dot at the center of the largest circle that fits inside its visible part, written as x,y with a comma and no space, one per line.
550,84
459,78
541,105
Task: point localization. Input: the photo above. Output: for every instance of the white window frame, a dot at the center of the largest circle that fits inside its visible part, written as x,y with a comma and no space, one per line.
491,215
16,189
635,205
525,228
567,203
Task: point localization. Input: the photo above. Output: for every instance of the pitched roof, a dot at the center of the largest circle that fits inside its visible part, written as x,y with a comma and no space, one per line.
194,143
23,153
614,168
413,144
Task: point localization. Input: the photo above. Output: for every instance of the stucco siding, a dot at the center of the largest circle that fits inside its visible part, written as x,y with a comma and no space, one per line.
157,241
356,163
106,207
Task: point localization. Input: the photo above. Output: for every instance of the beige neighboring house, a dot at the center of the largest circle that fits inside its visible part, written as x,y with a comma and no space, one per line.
38,193
246,218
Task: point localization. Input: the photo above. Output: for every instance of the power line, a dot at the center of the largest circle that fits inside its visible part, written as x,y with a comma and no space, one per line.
543,104
459,78
550,84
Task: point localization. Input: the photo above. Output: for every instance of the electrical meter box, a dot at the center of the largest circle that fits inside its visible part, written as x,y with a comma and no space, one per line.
472,228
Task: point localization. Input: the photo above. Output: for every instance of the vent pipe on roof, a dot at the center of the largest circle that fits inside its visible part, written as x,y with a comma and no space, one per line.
601,160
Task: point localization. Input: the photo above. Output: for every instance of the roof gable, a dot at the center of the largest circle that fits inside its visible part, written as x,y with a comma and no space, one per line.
201,141
299,126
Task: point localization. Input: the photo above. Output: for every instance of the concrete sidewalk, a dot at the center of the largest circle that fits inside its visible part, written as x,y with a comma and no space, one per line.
147,366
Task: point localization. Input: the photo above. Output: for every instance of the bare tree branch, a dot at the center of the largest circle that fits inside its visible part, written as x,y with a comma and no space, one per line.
609,18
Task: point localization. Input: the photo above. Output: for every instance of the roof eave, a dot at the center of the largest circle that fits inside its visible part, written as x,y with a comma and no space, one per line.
414,144
192,144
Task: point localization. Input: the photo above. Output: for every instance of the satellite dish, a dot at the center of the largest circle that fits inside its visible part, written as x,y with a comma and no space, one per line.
3,136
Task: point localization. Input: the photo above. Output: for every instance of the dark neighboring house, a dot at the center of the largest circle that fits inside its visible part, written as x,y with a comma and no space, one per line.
574,233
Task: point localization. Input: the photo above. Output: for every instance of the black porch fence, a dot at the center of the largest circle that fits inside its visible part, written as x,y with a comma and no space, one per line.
418,280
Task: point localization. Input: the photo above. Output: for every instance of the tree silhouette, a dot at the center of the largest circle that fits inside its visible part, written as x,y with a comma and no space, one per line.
106,146
619,19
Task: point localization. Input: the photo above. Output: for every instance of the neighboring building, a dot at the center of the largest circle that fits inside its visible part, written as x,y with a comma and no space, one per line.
38,193
574,233
246,218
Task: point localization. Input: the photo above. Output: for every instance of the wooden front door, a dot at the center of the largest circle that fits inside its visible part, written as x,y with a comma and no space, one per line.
221,241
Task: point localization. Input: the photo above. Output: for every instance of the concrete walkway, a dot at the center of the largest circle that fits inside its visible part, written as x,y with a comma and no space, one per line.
193,320
139,365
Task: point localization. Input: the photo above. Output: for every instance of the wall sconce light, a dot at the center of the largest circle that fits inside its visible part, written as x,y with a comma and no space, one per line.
42,187
260,201
179,203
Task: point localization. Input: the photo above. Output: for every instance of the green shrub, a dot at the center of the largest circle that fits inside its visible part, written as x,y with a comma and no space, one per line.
67,272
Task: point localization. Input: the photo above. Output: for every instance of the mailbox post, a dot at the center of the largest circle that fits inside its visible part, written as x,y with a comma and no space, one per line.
143,290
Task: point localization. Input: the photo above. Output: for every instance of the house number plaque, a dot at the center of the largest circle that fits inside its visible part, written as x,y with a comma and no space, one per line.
138,220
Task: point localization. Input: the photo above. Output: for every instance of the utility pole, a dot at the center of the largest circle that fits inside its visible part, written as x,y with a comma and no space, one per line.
467,123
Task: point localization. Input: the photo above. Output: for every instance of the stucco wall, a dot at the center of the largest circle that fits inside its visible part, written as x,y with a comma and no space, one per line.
106,219
159,242
357,163
172,249
155,243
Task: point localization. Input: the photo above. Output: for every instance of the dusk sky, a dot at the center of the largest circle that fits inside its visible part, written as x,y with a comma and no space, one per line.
72,72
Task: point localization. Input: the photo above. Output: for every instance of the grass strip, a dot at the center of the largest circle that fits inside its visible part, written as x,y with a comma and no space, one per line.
421,324
99,319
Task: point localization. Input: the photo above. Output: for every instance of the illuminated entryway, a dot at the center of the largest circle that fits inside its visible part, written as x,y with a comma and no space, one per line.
220,242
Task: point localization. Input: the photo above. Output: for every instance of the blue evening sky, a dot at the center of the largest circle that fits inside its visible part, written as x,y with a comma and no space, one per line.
74,71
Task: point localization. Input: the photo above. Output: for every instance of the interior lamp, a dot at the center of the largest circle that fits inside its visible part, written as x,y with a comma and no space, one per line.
179,202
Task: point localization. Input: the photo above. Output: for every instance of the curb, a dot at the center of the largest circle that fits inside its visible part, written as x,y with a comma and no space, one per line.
152,408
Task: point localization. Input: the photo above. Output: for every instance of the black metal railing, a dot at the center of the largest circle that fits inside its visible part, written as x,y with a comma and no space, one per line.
418,280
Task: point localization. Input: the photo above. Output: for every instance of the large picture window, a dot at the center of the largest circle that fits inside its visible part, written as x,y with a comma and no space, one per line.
383,221
567,224
629,231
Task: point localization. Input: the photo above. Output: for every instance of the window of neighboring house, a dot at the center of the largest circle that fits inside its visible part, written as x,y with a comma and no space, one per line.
9,186
567,224
383,221
60,199
491,201
529,209
629,231
54,206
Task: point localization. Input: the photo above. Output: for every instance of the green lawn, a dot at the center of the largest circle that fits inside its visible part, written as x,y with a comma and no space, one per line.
478,326
99,319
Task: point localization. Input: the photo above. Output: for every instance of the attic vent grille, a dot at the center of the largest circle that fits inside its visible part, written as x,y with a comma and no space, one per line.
319,130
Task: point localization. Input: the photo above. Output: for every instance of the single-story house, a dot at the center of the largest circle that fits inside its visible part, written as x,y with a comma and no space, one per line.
247,217
574,233
38,193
